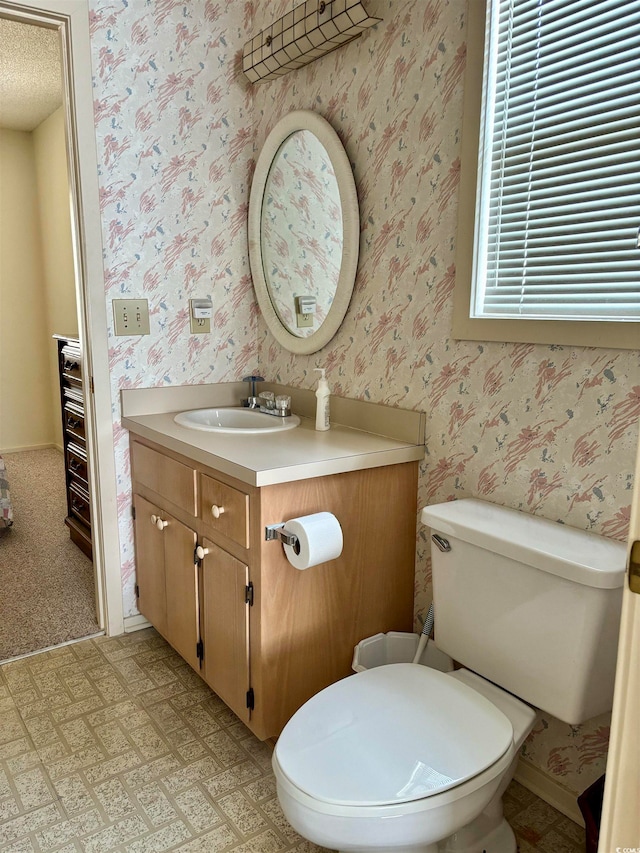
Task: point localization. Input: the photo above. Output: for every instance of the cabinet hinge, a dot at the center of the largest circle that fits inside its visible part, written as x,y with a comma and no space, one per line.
137,591
133,512
250,699
91,386
248,594
200,651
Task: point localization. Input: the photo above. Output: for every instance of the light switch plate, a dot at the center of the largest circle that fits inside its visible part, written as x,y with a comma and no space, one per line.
131,316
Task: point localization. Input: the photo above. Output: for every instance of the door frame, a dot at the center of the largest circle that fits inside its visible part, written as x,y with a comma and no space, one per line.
71,19
620,826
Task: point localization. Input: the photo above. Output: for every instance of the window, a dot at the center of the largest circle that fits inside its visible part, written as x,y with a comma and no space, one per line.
557,181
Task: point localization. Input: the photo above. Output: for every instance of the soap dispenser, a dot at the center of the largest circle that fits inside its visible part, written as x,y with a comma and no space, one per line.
322,405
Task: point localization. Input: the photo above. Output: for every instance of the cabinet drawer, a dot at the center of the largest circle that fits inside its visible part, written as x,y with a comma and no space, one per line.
77,463
225,510
71,368
79,503
74,420
165,476
70,362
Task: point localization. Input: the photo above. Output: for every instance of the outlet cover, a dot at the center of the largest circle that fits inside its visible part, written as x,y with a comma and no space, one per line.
198,327
131,316
305,311
304,321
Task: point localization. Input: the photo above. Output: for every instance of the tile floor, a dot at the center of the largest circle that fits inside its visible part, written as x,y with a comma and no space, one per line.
114,744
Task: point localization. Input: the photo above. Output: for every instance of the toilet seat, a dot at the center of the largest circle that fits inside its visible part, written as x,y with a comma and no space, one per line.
331,750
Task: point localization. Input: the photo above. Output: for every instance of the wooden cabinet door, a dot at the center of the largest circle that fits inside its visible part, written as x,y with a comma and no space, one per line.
150,573
225,627
166,577
181,584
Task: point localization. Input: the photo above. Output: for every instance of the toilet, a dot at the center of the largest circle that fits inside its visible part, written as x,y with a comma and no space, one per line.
406,759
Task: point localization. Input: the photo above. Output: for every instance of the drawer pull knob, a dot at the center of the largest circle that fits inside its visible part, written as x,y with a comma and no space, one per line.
73,423
74,465
201,552
217,511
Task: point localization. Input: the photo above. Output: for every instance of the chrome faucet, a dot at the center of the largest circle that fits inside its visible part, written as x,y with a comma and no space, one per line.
272,405
252,401
266,401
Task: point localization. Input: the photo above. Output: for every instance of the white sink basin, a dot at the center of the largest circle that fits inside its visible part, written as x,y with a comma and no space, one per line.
247,421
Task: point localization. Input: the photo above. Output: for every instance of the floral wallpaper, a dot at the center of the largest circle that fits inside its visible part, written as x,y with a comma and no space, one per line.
549,429
174,129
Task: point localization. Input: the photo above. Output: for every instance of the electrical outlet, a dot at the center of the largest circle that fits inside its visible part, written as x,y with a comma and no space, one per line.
305,311
198,327
304,321
131,316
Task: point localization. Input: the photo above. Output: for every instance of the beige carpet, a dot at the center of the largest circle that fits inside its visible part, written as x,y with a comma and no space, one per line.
46,582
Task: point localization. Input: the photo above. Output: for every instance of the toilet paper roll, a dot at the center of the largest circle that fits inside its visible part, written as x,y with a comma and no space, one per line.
319,539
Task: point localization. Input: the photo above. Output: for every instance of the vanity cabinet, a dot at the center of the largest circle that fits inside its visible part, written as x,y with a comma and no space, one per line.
264,635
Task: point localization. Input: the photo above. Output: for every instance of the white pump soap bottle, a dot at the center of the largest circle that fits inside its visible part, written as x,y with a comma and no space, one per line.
322,396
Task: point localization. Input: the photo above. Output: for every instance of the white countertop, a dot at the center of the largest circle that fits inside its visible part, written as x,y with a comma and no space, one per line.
280,457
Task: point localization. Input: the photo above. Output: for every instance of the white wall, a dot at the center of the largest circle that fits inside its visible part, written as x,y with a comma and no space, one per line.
57,256
25,388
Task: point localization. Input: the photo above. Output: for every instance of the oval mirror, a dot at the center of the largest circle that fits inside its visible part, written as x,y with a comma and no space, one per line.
304,231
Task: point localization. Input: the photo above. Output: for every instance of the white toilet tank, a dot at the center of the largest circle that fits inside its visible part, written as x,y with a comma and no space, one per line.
530,604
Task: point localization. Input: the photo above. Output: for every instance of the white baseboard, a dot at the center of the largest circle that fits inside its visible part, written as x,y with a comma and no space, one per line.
552,792
29,447
135,623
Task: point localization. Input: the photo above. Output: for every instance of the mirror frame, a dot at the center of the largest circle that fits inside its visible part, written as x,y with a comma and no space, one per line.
324,132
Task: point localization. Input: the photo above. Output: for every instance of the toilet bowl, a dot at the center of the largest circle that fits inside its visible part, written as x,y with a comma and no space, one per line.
399,758
406,759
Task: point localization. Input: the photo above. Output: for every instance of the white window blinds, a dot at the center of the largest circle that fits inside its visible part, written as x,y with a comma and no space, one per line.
559,180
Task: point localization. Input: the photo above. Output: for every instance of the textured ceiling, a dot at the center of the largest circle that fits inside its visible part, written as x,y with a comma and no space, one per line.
30,74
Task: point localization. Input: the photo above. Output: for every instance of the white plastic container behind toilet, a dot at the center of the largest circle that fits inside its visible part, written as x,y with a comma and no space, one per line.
397,647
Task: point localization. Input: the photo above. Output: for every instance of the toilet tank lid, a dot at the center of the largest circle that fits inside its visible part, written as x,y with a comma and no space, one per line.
577,555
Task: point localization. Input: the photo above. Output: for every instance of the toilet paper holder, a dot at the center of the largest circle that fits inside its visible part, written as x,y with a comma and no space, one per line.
277,531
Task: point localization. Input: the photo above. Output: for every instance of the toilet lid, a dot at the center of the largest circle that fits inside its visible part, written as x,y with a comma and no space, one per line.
391,734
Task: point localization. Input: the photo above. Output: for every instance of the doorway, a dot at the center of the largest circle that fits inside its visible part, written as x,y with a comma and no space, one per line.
69,20
48,584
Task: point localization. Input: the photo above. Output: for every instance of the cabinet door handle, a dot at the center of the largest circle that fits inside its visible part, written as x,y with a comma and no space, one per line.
158,522
201,552
217,511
